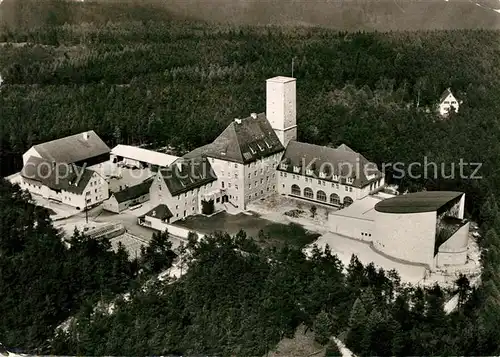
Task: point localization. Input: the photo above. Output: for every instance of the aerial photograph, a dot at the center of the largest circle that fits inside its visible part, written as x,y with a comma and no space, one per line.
249,178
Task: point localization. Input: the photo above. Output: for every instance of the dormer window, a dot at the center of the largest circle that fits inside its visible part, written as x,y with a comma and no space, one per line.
322,175
267,144
296,169
309,172
283,166
260,148
335,177
350,180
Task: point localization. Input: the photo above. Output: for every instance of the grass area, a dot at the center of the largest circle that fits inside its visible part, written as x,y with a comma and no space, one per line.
266,232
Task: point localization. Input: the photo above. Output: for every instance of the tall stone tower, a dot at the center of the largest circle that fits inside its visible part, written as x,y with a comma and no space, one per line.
281,110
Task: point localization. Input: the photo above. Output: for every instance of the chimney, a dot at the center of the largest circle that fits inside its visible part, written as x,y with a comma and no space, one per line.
86,135
153,214
238,121
253,115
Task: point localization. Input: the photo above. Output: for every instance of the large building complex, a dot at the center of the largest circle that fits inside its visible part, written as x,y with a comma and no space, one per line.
253,157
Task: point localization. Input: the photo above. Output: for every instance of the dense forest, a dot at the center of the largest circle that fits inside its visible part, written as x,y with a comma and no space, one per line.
43,281
165,81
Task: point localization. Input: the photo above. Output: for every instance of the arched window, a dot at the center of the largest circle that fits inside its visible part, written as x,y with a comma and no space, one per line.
334,199
308,193
347,201
295,190
321,196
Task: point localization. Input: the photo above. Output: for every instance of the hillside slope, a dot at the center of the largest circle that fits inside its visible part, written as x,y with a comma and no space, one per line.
380,15
346,15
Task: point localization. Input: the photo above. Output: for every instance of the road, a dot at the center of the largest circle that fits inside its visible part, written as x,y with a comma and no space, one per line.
98,216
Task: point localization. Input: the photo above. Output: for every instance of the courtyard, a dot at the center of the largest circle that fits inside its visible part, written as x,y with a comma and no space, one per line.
282,209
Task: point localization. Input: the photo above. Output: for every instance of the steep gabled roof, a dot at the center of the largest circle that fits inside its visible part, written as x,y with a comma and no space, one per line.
243,141
132,192
445,94
187,174
57,177
344,147
344,162
74,148
161,212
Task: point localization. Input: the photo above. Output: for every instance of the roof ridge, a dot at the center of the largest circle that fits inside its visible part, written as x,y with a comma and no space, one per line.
237,138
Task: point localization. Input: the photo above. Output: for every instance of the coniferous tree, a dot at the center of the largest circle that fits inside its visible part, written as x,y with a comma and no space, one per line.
322,328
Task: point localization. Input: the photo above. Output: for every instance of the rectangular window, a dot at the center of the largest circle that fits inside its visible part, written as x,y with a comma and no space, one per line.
236,186
350,189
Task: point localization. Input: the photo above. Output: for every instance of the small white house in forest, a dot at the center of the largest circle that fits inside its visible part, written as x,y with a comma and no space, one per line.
447,103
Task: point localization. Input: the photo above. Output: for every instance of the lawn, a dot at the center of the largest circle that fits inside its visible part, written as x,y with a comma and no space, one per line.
273,234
